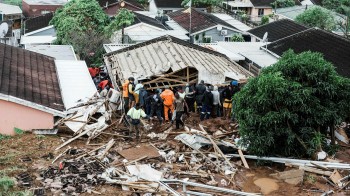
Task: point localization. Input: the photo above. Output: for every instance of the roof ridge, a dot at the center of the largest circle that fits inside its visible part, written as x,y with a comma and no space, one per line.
163,38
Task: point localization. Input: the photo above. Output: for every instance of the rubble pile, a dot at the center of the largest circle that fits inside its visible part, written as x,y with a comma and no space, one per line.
201,159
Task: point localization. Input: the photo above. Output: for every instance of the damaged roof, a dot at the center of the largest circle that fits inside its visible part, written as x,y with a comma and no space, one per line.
158,56
29,76
335,49
140,18
277,30
199,20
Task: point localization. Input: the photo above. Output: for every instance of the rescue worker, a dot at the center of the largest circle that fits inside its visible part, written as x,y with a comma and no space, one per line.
200,90
207,104
134,115
131,88
227,94
168,101
126,95
180,104
138,87
189,97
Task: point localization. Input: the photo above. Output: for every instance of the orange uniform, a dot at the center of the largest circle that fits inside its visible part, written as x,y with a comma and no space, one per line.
168,99
103,84
93,71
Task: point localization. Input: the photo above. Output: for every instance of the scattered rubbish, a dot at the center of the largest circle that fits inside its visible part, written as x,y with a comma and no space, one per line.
45,131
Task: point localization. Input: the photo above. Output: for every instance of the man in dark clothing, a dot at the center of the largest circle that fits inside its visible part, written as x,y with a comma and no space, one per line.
156,105
200,90
227,94
207,102
189,97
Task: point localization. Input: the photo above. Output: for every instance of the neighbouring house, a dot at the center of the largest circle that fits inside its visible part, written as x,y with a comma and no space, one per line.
203,27
170,61
30,96
145,28
36,89
46,35
233,22
11,13
59,52
335,49
112,9
161,7
38,22
33,8
255,9
276,30
249,55
8,34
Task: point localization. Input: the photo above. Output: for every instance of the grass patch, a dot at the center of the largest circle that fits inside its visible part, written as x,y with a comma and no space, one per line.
6,183
4,137
40,137
8,158
18,131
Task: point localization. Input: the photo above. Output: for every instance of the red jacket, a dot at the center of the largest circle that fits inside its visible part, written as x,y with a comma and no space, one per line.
94,71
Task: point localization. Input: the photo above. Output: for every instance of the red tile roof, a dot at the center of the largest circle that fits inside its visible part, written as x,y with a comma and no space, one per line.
199,20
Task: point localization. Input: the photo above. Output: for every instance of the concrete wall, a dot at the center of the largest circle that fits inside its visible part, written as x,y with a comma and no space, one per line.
15,115
215,35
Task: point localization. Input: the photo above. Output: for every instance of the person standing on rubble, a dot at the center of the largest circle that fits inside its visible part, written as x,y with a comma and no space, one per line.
156,105
216,102
200,90
131,88
134,116
207,103
189,97
227,94
168,100
138,87
126,95
180,104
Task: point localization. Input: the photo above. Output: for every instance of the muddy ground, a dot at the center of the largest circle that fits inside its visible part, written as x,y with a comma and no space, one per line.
32,153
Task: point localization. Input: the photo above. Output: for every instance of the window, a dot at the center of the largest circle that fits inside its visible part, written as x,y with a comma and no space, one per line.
260,12
45,12
227,38
207,39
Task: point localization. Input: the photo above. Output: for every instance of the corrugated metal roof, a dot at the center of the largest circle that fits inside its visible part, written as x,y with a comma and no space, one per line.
59,52
9,9
157,56
230,20
75,81
37,39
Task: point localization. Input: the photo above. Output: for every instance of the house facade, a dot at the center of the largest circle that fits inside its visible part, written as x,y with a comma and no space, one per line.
255,9
203,27
32,8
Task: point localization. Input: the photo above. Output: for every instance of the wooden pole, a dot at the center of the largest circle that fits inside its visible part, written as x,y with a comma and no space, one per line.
188,74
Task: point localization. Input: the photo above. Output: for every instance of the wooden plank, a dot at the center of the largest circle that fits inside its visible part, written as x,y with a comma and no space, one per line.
243,159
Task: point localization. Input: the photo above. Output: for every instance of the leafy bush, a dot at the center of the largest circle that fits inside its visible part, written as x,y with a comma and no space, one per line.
283,3
286,109
317,17
264,20
6,183
18,131
237,38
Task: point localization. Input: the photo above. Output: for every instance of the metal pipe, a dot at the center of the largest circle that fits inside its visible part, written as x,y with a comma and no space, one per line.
211,187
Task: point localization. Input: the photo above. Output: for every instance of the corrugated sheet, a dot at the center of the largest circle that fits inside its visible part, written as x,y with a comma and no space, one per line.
157,56
59,52
75,81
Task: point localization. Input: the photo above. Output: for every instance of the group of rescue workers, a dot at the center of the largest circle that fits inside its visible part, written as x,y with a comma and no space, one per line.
170,105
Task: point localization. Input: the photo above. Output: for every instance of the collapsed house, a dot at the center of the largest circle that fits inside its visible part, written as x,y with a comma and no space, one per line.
170,61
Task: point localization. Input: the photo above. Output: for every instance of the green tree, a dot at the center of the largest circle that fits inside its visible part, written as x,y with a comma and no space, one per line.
264,20
283,3
344,25
336,5
286,109
317,17
77,18
198,2
237,38
123,19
